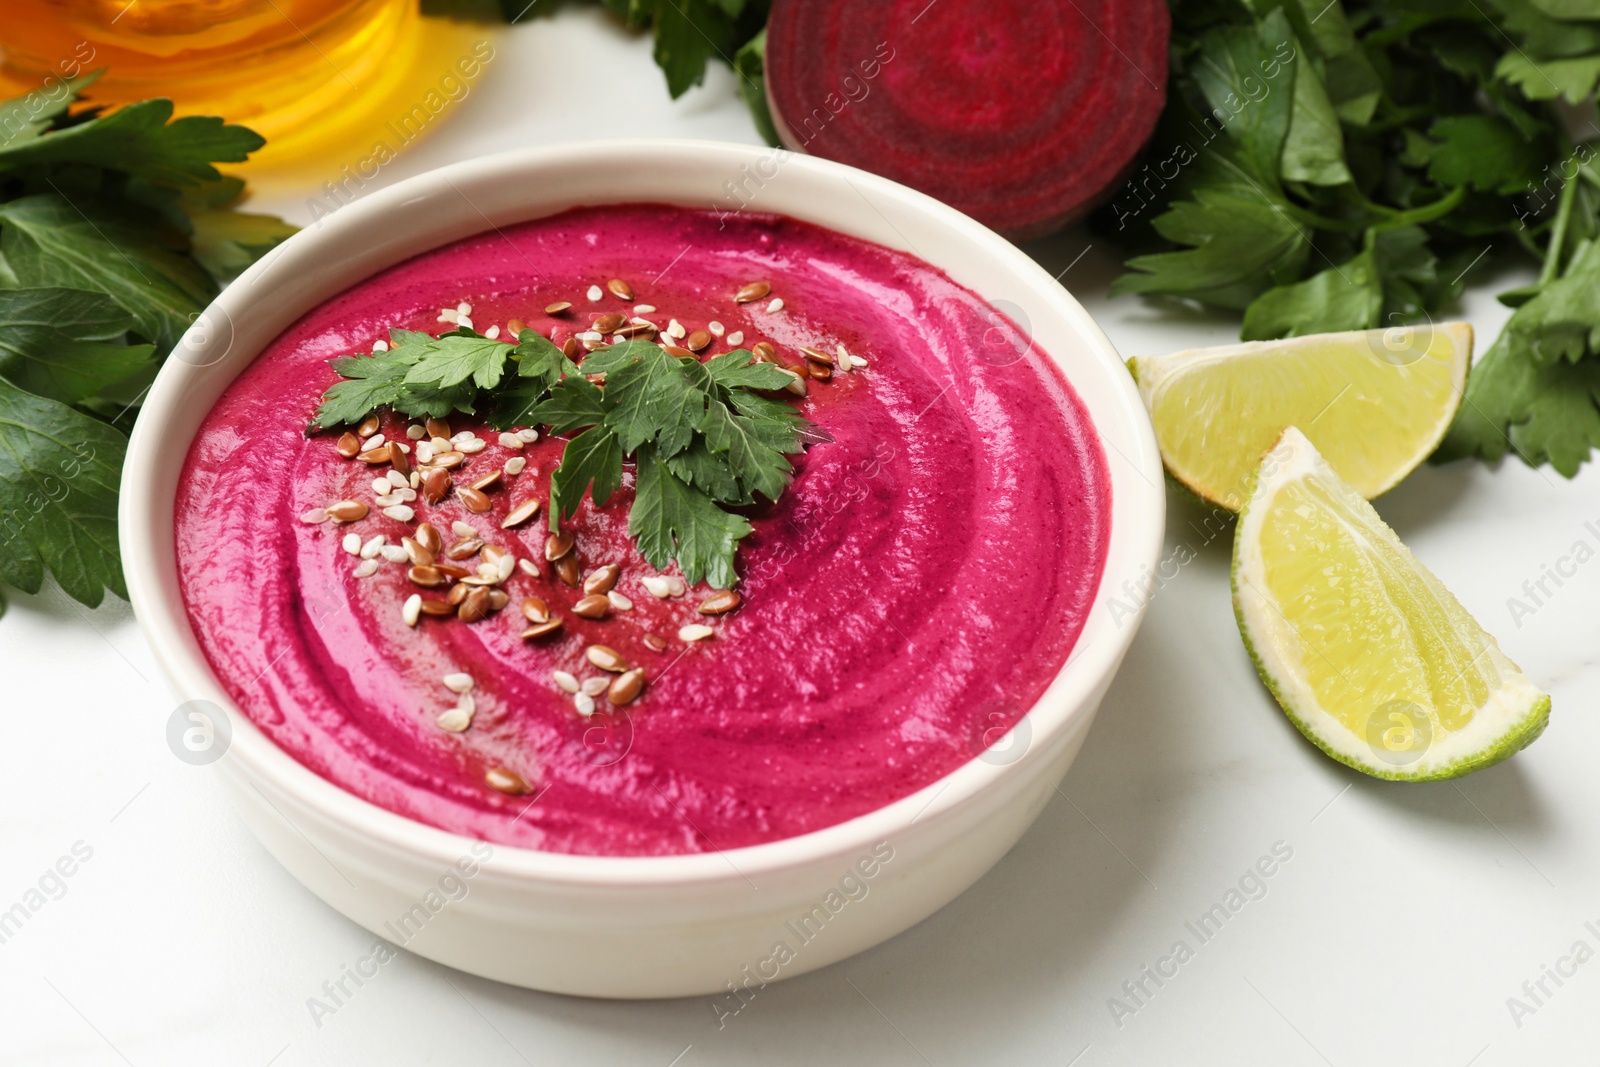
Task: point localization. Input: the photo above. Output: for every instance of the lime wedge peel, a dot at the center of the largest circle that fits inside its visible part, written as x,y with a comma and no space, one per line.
1367,652
1376,402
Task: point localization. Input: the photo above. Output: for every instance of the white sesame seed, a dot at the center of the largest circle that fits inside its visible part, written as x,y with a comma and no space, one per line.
637,321
366,568
643,309
528,435
314,516
736,338
657,586
402,446
415,432
439,444
400,512
394,553
584,703
676,585
619,602
381,486
591,336
510,440
466,703
447,315
695,632
463,308
594,292
406,493
595,686
380,346
566,681
389,500
477,444
489,571
352,543
372,442
411,610
516,465
373,546
459,682
424,452
462,437
416,479
675,329
857,361
461,529
529,567
715,328
507,566
456,720
776,305
396,479
493,332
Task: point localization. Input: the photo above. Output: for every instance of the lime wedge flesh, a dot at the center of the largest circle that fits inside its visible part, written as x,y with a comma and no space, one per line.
1369,654
1375,402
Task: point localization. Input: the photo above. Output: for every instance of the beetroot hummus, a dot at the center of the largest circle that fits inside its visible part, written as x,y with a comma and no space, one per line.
909,596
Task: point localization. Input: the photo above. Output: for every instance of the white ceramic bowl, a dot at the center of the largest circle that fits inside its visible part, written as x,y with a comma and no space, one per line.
640,926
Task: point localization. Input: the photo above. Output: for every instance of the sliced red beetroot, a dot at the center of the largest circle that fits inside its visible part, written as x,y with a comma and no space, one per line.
1022,113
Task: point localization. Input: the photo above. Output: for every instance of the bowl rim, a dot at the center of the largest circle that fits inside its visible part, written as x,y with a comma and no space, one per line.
1137,510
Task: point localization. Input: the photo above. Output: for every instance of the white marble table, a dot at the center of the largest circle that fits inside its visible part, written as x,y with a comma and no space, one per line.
1395,931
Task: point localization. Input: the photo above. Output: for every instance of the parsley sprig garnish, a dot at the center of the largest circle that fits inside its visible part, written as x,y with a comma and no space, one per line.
705,438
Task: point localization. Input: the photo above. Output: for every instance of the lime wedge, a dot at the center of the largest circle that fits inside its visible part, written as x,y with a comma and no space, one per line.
1375,402
1368,653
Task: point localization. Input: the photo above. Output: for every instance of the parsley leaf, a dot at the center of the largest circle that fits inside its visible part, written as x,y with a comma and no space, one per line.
368,383
49,241
651,400
145,141
1344,297
1482,151
1569,79
1537,387
225,241
739,370
59,470
1546,414
538,358
65,344
456,357
762,467
1230,70
24,118
593,457
688,34
572,405
1243,242
750,64
669,520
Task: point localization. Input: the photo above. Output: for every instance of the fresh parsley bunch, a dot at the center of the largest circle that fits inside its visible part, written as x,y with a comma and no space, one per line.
687,34
115,232
704,437
1345,165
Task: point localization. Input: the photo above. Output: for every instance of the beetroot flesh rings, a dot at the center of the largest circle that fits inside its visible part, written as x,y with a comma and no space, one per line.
1022,113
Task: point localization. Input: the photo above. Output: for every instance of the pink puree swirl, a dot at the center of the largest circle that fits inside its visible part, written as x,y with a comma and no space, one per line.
912,594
